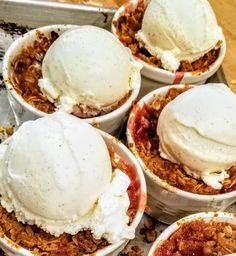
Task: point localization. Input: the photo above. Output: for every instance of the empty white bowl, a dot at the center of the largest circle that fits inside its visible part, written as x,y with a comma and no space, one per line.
110,122
165,202
12,249
215,216
164,76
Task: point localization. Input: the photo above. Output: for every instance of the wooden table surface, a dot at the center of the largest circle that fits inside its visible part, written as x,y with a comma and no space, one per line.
226,15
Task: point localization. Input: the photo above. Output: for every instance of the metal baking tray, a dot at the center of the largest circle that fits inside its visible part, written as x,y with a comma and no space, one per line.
26,14
36,13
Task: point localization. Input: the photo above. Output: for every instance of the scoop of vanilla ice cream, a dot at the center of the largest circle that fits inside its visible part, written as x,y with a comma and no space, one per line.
86,65
179,30
197,130
53,172
51,169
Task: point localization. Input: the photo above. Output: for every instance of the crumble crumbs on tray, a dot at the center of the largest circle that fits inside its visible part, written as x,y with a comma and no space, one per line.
128,25
38,241
134,251
148,230
199,238
147,144
27,70
7,130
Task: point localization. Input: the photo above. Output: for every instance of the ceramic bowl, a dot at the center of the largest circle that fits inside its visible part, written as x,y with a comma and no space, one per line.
163,76
215,216
165,202
11,249
110,122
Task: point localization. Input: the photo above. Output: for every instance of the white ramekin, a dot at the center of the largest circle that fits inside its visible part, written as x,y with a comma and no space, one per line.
215,216
110,122
12,249
165,202
167,77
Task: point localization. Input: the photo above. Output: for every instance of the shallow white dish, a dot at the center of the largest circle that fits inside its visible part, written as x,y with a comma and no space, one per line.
166,77
11,249
215,216
168,203
110,122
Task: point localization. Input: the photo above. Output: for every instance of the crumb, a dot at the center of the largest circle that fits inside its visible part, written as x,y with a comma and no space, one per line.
2,86
7,130
134,251
151,236
13,28
149,223
148,231
142,231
